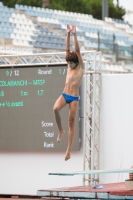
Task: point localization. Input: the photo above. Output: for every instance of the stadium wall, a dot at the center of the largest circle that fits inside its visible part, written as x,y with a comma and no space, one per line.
116,130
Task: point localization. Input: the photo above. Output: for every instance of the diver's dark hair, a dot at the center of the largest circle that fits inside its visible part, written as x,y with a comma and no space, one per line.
72,56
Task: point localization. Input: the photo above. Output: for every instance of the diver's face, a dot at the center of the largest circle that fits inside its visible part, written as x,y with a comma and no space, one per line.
72,64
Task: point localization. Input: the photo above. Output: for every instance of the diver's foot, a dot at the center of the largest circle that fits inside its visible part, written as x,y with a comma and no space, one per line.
68,154
59,136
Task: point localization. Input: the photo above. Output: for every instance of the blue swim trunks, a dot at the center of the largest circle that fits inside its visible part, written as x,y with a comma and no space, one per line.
70,98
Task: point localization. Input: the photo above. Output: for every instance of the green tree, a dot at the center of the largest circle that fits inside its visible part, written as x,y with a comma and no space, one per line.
69,5
93,7
115,11
11,3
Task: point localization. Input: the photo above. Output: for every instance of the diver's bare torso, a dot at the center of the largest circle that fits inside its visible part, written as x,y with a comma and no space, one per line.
73,80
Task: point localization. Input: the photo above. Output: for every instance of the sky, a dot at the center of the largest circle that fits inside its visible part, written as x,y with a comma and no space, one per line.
127,4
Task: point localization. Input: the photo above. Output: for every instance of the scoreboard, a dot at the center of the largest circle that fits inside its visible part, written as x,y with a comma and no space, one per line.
27,97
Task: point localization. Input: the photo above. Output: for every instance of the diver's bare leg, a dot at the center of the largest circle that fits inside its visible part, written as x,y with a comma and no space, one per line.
59,104
72,113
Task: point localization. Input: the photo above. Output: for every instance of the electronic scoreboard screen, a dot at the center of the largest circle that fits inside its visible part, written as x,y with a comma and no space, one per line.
27,97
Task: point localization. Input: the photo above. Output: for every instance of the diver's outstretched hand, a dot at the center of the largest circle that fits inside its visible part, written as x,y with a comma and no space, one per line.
73,29
68,28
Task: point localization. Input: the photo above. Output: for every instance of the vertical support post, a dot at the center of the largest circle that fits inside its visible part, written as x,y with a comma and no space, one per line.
92,117
98,41
92,124
132,52
87,127
114,43
104,9
93,96
85,119
97,125
116,52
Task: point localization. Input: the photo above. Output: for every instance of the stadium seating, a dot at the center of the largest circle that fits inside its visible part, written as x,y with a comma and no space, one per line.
45,29
24,31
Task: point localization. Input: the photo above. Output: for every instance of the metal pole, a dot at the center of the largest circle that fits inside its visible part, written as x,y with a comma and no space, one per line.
104,9
98,41
84,146
114,43
132,52
91,117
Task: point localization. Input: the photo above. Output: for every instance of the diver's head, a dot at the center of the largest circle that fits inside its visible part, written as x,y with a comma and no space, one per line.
72,59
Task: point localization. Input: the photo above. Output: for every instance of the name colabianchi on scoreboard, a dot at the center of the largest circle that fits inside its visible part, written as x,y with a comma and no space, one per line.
27,97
